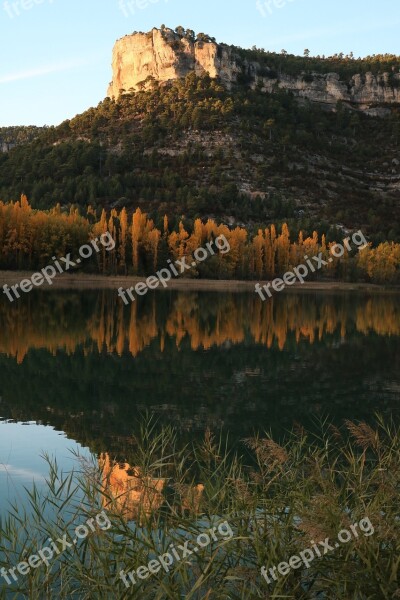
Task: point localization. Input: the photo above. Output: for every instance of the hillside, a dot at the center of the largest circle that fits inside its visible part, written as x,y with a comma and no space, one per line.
195,146
10,137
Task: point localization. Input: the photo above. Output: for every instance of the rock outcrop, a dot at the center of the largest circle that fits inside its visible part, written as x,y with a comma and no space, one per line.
165,56
363,92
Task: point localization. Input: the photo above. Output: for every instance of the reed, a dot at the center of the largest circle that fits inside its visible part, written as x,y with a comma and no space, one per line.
277,498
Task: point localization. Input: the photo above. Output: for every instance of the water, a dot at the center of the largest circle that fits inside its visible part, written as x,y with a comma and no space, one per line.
22,460
78,370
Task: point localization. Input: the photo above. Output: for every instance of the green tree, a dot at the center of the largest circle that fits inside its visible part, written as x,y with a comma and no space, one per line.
180,30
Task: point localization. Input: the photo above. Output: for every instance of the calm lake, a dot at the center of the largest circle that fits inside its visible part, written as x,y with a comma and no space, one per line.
78,371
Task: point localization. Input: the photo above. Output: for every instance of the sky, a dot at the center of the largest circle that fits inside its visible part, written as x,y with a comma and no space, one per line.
56,54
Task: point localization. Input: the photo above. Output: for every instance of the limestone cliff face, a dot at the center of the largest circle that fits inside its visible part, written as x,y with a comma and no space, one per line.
362,92
164,56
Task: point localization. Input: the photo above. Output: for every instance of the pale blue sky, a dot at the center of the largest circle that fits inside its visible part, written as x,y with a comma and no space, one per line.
56,54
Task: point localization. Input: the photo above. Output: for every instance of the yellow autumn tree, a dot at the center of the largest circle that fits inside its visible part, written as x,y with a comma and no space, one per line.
138,227
283,250
258,252
123,238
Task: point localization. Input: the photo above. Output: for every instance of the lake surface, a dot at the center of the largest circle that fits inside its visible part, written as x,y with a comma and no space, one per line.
79,370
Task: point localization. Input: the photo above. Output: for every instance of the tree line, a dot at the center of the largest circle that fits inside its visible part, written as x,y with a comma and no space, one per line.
346,66
29,238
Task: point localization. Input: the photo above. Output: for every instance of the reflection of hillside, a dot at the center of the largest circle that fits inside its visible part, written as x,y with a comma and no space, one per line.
99,321
133,495
98,399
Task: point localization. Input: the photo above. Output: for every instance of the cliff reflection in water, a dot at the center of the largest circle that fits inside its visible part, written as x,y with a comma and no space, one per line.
134,496
99,321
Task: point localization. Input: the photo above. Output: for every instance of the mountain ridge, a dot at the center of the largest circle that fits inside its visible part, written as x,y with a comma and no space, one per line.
192,147
163,55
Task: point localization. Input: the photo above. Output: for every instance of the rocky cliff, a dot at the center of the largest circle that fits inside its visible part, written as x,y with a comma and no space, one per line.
164,56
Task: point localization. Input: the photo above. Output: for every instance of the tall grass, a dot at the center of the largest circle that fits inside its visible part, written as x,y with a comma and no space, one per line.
278,499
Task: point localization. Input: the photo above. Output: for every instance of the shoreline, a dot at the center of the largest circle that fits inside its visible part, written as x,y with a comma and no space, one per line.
82,281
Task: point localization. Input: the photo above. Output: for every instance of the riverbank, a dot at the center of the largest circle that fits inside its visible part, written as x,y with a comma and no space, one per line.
81,281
